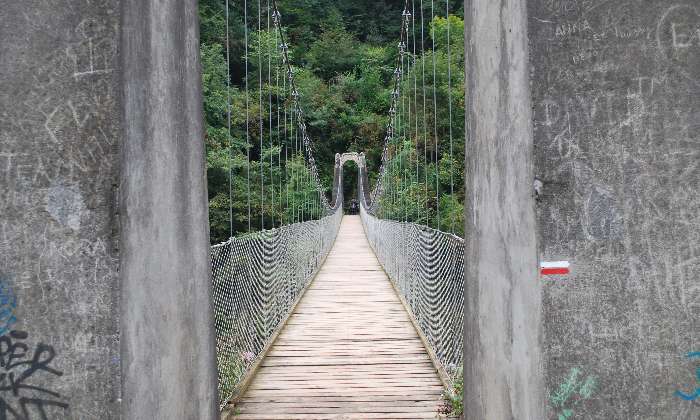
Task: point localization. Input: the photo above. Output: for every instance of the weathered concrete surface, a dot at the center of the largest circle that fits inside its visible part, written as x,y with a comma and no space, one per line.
59,135
167,321
61,128
503,377
616,99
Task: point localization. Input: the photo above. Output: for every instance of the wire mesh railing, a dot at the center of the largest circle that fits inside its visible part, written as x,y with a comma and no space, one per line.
425,264
257,279
259,276
426,267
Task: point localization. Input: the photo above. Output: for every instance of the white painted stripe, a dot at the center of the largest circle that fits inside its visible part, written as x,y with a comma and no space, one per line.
554,264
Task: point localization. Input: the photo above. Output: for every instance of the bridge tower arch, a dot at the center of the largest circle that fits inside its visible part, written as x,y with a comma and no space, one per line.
362,181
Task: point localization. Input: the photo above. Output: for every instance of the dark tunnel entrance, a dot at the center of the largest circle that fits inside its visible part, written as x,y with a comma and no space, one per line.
351,202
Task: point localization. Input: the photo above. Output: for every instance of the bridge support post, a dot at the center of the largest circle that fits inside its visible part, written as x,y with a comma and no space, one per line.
168,359
60,131
104,248
503,375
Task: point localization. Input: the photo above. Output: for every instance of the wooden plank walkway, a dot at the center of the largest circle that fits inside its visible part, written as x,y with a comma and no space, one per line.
349,351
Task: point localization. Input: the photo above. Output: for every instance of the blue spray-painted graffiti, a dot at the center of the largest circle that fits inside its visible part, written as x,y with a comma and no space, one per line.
8,303
696,394
22,371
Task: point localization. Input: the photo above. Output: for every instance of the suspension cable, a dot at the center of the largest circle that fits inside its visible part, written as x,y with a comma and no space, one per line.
390,130
286,140
279,132
247,112
269,90
405,120
449,101
305,143
425,119
293,142
415,99
228,126
260,108
435,129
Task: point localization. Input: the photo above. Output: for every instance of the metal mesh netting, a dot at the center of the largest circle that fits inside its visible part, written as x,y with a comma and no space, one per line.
257,278
426,265
427,268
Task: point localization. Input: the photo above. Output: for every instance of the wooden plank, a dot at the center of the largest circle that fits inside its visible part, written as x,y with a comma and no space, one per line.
371,406
340,376
340,408
349,350
428,391
393,399
389,399
346,416
347,383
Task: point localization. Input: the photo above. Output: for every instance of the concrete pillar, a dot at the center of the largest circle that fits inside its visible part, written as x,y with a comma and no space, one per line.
60,130
502,373
616,101
73,92
168,360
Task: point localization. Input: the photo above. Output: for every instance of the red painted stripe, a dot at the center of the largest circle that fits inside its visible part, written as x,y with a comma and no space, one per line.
549,271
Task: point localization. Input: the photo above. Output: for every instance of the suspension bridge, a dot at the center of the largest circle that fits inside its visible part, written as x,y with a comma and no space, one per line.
350,340
348,348
569,238
321,315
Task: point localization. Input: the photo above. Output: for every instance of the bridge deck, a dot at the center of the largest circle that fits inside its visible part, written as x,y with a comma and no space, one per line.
349,351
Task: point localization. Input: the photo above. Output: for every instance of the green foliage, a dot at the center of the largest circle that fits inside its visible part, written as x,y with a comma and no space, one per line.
232,370
413,152
439,29
345,53
453,398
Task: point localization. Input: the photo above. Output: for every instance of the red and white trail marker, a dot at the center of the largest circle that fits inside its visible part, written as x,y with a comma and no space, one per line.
554,267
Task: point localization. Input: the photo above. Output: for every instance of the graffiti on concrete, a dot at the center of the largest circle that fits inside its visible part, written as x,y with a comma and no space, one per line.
571,393
8,303
691,396
22,371
24,368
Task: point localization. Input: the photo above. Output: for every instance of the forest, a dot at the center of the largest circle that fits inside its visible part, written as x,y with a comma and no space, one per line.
343,55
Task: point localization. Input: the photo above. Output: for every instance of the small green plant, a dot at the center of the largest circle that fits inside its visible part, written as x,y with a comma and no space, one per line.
232,370
453,404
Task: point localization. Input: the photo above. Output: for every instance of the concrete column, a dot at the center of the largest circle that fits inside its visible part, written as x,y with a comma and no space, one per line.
503,377
616,115
60,130
167,321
